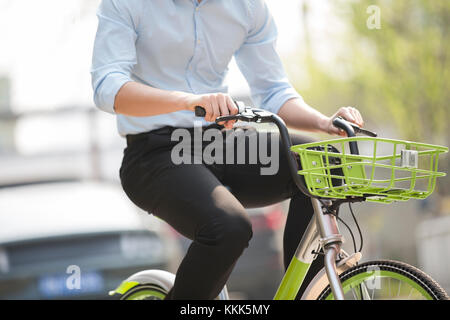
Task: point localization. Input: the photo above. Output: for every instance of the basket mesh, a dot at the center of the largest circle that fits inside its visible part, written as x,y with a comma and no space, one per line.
386,170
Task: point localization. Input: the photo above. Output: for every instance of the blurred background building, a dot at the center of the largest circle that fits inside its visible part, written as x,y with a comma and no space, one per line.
59,155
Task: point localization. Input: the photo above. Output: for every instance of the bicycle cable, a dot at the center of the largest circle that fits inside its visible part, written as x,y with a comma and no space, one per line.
361,242
348,228
336,214
357,226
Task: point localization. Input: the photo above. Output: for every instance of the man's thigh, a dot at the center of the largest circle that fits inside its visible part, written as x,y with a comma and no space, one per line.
187,196
190,197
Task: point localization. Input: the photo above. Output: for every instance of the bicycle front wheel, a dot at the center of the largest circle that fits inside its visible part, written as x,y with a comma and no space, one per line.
386,280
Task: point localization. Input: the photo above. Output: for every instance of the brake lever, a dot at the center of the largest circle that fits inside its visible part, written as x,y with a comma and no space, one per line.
360,130
363,131
248,115
233,117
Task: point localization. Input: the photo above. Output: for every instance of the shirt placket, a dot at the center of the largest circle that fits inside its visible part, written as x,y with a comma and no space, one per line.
198,45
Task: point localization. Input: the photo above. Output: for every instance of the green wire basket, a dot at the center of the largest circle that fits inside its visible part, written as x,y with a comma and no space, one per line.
385,171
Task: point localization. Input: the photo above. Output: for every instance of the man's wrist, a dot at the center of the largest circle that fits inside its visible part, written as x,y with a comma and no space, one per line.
323,123
183,99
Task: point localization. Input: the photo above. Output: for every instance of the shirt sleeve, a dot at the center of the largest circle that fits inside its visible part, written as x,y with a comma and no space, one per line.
114,54
260,64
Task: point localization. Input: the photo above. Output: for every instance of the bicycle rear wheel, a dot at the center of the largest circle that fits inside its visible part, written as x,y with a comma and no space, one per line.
386,280
145,292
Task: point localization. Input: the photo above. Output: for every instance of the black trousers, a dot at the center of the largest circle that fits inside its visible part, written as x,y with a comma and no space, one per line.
205,202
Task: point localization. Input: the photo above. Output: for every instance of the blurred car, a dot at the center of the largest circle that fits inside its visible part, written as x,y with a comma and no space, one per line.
76,240
259,270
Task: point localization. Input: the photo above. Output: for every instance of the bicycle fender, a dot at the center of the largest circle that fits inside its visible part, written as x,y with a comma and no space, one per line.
160,278
320,281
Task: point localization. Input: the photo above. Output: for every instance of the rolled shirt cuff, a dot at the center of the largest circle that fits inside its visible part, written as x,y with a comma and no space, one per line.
105,95
274,102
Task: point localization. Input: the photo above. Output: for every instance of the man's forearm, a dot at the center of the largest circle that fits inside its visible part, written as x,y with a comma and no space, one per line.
139,100
299,115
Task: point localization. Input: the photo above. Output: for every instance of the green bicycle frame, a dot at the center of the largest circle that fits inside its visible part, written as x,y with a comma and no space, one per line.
322,231
292,280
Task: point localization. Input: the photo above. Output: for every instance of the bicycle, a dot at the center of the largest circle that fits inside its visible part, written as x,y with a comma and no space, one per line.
331,177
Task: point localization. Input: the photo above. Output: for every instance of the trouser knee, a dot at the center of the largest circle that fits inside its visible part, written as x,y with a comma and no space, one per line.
231,234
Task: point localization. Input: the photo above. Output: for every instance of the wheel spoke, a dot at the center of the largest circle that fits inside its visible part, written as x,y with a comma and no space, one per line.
364,291
373,292
410,291
399,286
354,293
389,281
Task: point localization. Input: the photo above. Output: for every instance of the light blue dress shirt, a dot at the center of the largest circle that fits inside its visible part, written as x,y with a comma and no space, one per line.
185,46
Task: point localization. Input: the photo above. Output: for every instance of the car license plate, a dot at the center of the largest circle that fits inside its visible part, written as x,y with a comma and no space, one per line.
61,285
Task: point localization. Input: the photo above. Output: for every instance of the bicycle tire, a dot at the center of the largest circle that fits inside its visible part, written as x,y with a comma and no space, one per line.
145,292
400,271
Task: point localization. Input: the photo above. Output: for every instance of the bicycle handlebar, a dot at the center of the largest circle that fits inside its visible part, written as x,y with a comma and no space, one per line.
262,116
339,122
249,114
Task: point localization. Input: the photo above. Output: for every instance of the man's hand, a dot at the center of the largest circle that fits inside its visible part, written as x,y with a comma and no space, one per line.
215,105
348,113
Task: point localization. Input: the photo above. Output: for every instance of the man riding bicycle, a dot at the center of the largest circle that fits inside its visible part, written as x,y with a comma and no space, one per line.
153,63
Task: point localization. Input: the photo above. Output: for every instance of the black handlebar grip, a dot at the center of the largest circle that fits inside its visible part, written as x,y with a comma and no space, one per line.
341,123
200,111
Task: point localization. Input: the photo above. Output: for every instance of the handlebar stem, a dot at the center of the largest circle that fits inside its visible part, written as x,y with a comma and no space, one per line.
286,147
